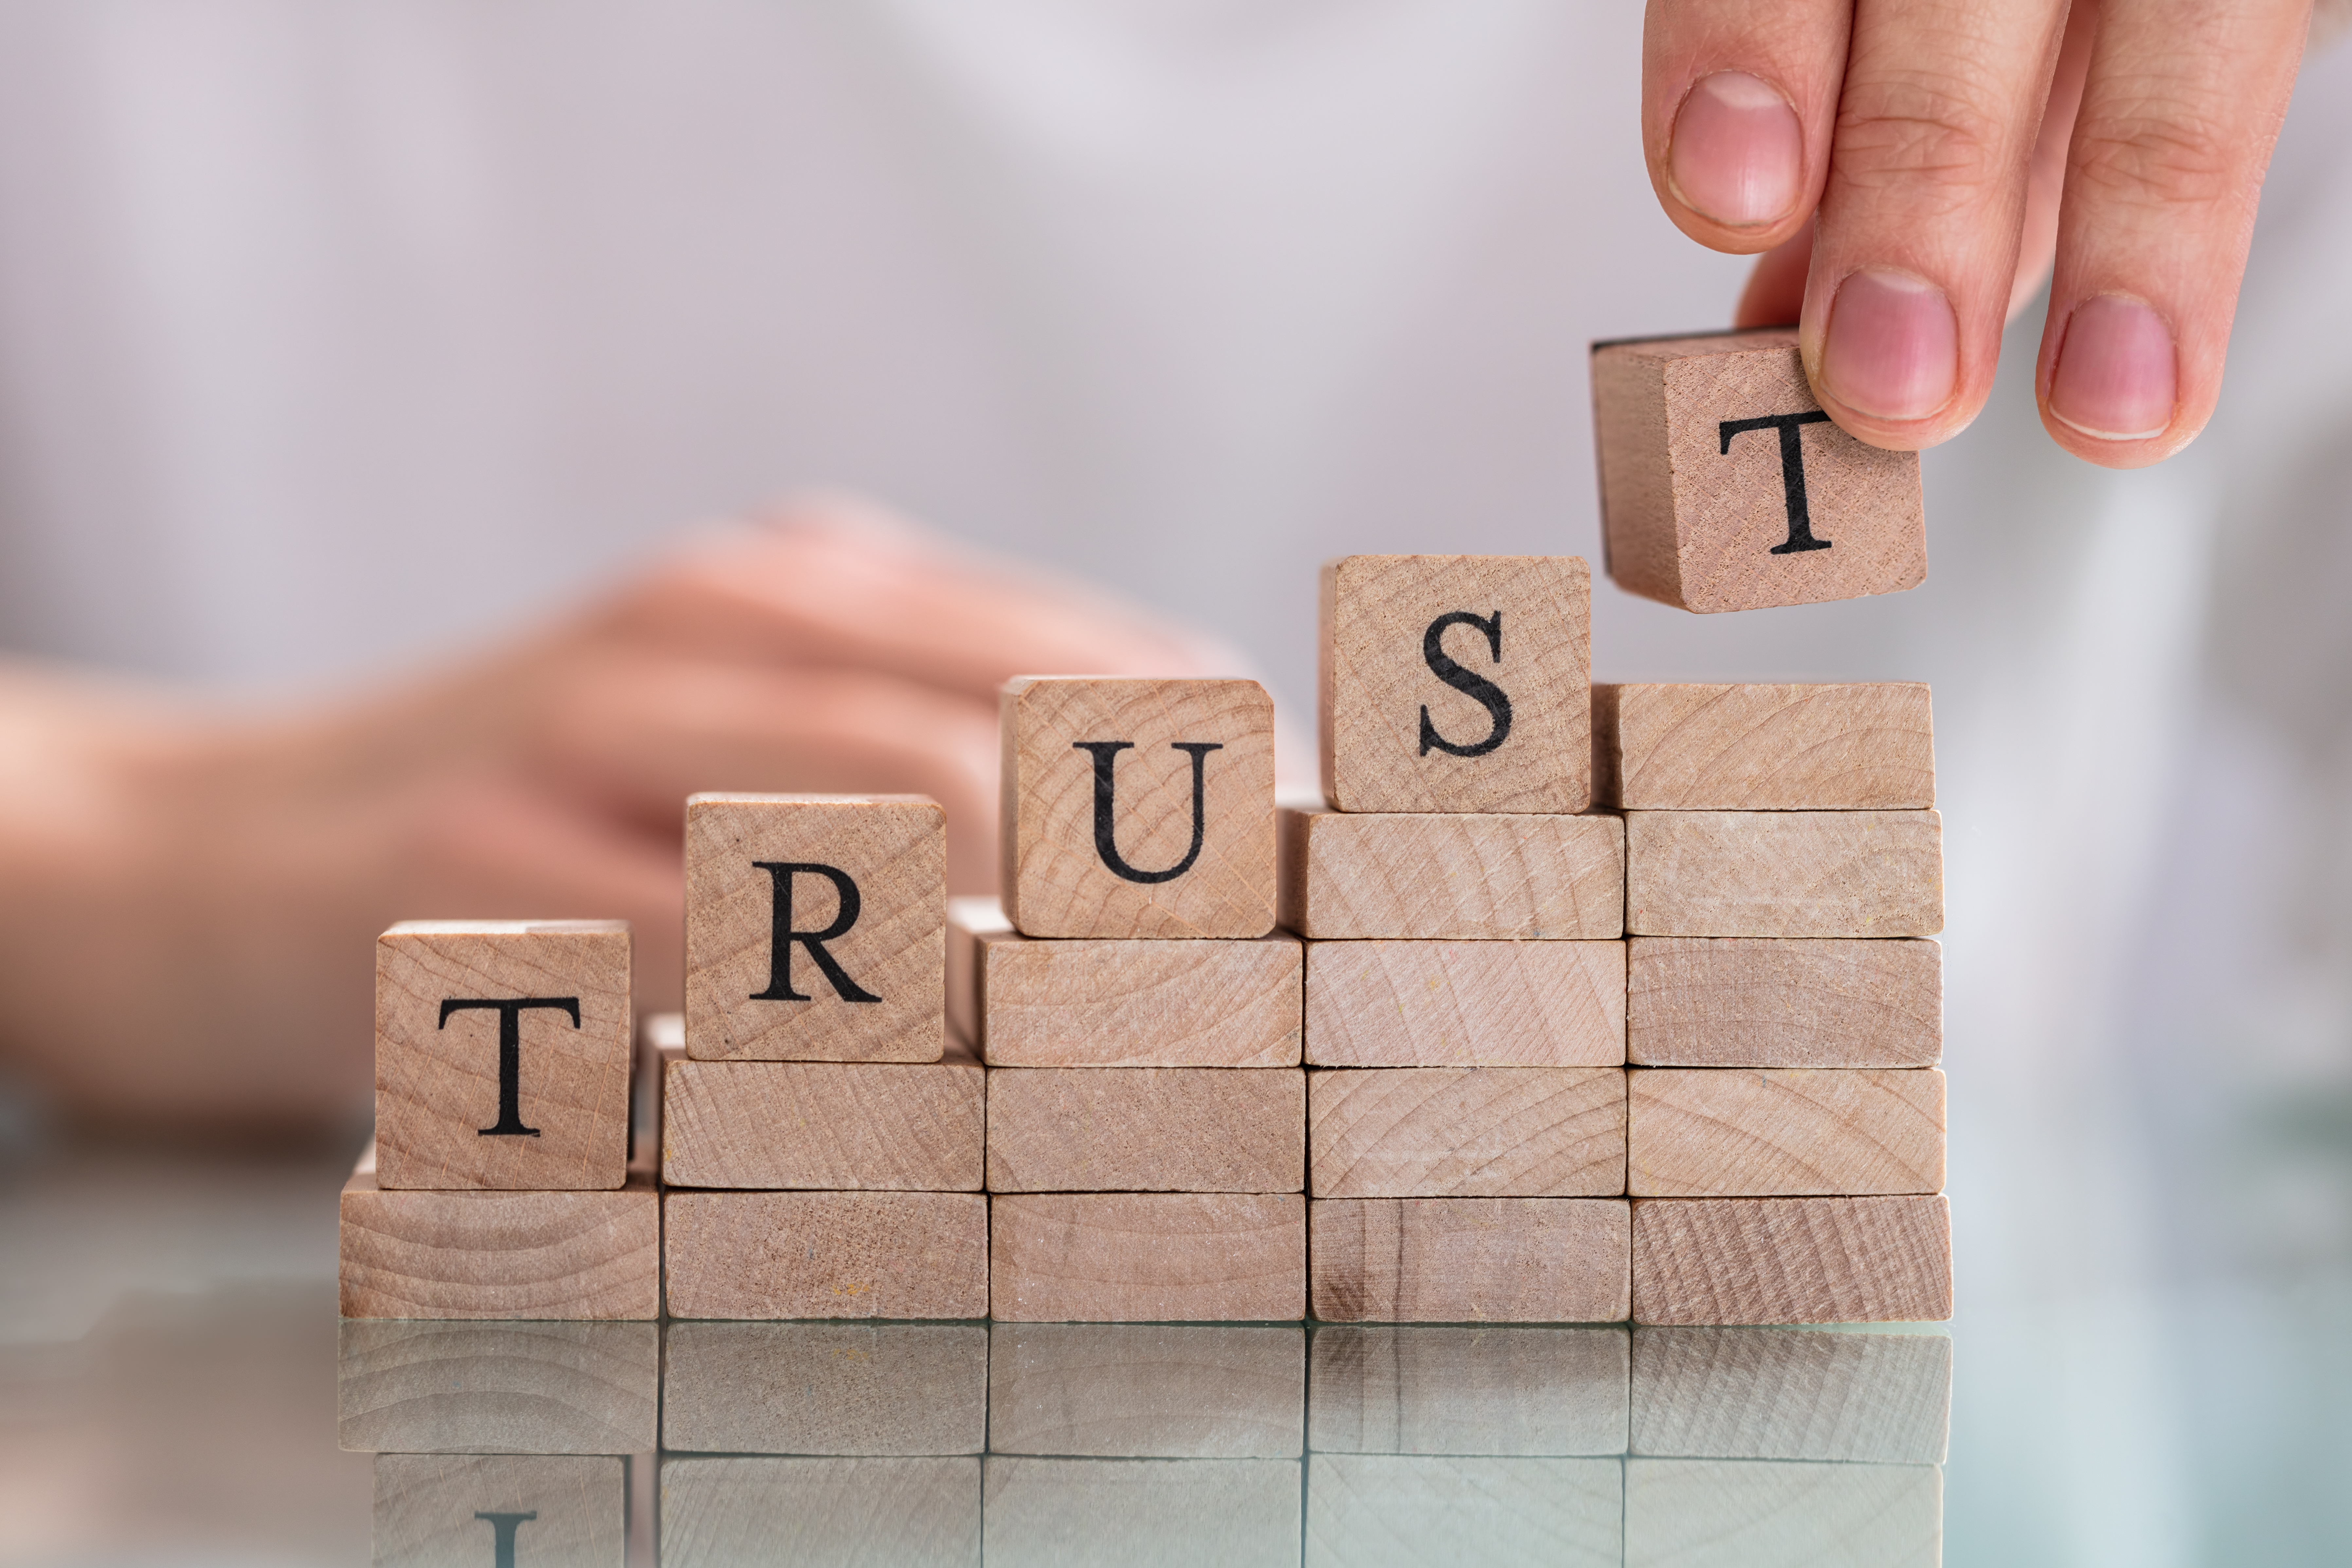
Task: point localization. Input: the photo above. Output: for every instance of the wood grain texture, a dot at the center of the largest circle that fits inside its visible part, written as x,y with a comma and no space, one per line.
1148,1129
1464,1132
498,1388
428,1509
1460,1261
1519,1389
1147,1257
1713,1514
821,1512
556,1255
1759,1132
1057,882
437,1079
1374,1510
1141,1513
893,849
825,1255
894,1126
1784,873
1694,519
1466,1004
1494,876
825,1388
1181,1391
1851,746
1760,1001
1782,1394
661,1040
1388,720
1792,1260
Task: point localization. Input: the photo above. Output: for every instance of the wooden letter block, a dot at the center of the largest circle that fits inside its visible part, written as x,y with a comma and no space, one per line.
1712,1514
1792,1260
502,1055
433,1509
1762,1132
819,1513
1151,1257
815,928
1788,1394
1725,487
1466,1004
1196,1391
1147,1130
1784,873
1860,746
899,1126
498,1388
1517,1389
827,1254
1732,1001
825,1388
1455,1261
1467,1132
1457,683
1462,878
1138,808
1141,1513
1378,1510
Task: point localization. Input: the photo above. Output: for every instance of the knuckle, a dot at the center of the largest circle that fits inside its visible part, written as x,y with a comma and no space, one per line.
1937,131
2156,156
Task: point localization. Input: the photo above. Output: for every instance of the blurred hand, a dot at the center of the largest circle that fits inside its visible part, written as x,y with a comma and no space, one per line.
1912,169
189,897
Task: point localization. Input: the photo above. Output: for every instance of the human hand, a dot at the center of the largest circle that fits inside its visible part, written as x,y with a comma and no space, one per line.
1912,169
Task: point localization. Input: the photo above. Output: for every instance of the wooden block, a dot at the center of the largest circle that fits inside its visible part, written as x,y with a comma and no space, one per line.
815,928
1430,701
1141,1513
1769,1132
1458,1260
1725,487
1371,1511
827,1254
1138,808
1466,1004
825,1388
1853,746
1784,873
1087,1003
819,1513
1830,1002
1147,1257
1519,877
1197,1391
1467,1132
502,1055
1790,1394
1152,1129
433,1509
899,1126
1712,1514
1792,1260
1518,1389
498,1388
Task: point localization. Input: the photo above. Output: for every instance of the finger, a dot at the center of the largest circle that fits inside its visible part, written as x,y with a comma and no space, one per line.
2045,169
1774,294
2182,105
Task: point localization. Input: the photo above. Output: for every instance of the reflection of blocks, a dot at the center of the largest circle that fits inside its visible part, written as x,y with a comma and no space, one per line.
1142,1514
1788,1394
1371,1511
825,1388
432,1509
1713,1513
818,1513
498,1388
1170,1390
1487,1390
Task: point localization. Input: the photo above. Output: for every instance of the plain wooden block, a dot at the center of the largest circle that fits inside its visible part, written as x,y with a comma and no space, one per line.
1769,1133
1147,1257
1353,875
1147,1130
1430,701
502,1055
433,1509
1792,1260
1850,746
1371,1511
820,1512
1172,1390
1467,1132
896,1126
1763,1001
1713,1513
1784,873
437,1387
1461,1260
1138,808
1466,1004
1792,1394
815,928
825,1388
1725,487
825,1255
1520,1389
1141,1513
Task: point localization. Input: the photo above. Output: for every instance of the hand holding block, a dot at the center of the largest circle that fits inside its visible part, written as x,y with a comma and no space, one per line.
815,928
1138,808
1859,746
1725,487
1456,683
1733,1132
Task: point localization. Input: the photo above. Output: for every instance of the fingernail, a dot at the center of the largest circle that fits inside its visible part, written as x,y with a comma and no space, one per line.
1893,348
2116,378
1738,154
